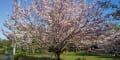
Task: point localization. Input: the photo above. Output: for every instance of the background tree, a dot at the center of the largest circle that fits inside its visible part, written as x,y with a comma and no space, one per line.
5,45
24,26
112,37
111,41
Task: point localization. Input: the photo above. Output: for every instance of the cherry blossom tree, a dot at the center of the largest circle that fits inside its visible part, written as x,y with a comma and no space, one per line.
54,24
112,40
24,26
69,21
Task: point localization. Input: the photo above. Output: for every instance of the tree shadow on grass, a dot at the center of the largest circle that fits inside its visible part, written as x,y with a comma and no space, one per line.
34,58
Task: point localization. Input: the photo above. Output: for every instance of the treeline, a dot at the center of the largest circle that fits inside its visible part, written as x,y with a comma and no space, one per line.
5,45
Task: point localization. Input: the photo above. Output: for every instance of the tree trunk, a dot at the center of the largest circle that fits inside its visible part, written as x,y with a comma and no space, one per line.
14,49
58,56
33,50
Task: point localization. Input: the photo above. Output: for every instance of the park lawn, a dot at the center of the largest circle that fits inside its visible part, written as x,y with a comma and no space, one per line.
75,56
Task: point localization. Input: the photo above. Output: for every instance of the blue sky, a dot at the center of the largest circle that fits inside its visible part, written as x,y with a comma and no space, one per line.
6,8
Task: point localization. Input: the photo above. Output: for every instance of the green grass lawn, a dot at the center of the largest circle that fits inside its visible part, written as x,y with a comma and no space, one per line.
74,56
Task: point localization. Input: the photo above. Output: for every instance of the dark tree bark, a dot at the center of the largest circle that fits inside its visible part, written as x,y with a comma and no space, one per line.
58,56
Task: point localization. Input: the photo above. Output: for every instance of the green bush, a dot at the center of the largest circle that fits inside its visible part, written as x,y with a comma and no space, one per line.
19,54
2,51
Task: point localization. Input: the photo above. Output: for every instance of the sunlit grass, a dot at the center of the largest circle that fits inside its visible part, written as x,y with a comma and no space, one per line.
74,56
77,55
